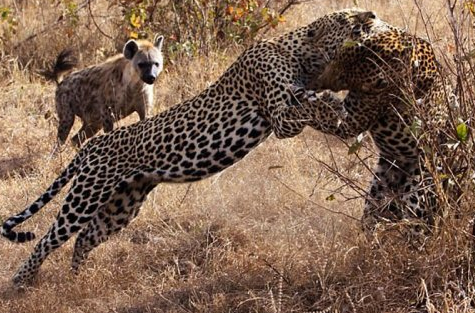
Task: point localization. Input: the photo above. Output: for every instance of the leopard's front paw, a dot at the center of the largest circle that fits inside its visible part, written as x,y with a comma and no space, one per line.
301,95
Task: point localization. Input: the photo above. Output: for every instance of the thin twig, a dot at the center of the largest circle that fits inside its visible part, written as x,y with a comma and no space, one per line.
47,28
275,270
284,9
94,21
313,202
186,194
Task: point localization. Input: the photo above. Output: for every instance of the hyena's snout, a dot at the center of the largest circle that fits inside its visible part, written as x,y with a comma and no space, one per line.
149,79
150,74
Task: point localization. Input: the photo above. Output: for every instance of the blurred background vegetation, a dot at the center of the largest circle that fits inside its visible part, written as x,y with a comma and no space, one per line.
99,28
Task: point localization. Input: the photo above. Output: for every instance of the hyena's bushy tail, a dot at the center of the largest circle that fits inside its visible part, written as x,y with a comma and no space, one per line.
58,184
65,62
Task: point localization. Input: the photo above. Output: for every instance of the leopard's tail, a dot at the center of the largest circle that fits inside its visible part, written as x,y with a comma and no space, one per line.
58,184
65,62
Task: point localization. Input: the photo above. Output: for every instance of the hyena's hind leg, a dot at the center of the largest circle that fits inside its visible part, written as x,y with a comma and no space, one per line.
66,119
107,117
122,208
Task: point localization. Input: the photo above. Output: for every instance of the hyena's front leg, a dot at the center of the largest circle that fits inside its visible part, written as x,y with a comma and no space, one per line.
66,120
87,131
142,111
107,117
145,103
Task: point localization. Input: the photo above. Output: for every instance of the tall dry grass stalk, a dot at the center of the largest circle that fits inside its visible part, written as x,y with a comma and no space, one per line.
263,236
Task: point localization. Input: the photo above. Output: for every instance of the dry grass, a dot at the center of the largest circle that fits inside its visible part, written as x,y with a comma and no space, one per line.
259,237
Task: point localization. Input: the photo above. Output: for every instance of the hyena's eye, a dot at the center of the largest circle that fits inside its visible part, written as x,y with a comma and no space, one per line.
142,65
155,63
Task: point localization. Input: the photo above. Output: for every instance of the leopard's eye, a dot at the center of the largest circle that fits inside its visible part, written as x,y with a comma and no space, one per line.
381,83
356,30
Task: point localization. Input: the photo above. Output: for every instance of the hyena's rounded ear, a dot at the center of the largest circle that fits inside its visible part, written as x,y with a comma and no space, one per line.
158,42
130,48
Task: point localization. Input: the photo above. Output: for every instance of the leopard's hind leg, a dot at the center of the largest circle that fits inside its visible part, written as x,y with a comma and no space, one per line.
77,211
122,208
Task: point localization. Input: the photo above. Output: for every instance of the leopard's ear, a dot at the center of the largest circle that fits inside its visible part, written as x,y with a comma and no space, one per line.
315,33
364,17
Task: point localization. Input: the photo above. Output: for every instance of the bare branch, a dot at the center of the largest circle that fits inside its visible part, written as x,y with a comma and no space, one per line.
94,21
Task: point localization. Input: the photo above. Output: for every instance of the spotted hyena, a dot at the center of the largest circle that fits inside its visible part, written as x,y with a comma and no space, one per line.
103,93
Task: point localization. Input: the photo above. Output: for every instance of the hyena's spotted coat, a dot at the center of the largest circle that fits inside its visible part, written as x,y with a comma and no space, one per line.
103,93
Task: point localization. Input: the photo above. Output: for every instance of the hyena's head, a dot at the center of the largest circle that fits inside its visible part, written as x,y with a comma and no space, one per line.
146,58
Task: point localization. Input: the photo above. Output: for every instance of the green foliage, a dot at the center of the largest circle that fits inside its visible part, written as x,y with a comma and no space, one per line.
415,128
136,18
470,6
71,15
4,13
462,132
8,24
350,44
356,146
